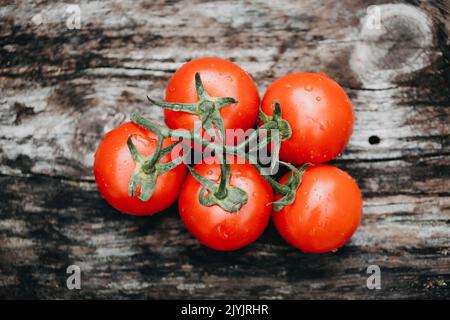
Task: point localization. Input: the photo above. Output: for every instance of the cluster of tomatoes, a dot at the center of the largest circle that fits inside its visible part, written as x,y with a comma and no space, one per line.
227,205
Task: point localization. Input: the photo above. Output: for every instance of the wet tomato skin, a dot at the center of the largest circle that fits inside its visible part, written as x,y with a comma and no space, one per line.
319,112
114,165
221,78
326,212
219,229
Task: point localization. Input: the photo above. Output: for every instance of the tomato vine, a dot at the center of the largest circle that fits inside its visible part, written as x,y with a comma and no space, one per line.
208,108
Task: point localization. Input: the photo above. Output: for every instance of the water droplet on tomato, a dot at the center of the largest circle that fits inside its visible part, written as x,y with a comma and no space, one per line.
141,139
323,125
222,232
318,98
255,194
308,88
171,89
209,172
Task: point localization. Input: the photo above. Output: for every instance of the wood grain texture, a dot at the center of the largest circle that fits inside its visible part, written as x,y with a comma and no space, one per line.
62,89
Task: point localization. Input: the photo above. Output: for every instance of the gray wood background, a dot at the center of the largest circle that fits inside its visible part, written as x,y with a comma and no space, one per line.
62,90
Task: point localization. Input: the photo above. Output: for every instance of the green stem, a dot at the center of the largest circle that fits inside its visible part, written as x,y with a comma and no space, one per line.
149,125
254,135
189,135
148,165
234,150
228,197
224,175
278,187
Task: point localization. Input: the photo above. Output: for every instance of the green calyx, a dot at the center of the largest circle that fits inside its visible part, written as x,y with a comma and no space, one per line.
205,107
281,124
229,198
289,189
148,169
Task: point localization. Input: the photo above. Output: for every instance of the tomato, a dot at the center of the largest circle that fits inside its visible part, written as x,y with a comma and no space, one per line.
221,78
320,115
114,166
219,229
326,211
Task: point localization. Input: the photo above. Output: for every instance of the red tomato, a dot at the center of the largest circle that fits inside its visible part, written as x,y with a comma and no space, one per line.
326,211
219,229
319,112
221,78
114,165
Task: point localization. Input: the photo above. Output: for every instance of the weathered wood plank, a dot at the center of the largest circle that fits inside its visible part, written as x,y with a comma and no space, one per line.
63,223
81,86
69,121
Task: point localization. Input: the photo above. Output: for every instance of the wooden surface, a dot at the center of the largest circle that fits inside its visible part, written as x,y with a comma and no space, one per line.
62,89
